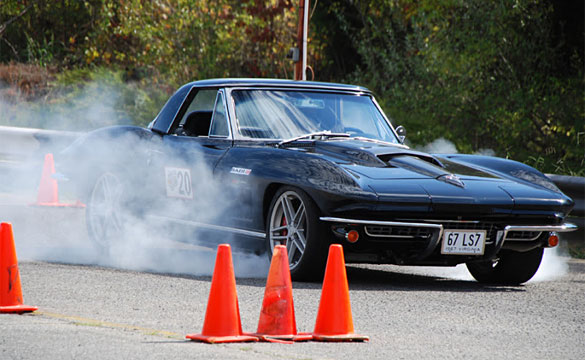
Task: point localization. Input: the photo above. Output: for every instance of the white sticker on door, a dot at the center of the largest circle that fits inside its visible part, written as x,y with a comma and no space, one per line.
178,182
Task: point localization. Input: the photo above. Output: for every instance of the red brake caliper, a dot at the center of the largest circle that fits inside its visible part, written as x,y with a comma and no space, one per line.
283,232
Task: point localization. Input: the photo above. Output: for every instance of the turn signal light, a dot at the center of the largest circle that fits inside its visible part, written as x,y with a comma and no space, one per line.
553,240
352,236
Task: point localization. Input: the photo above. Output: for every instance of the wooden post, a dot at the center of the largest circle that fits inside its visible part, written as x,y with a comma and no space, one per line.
302,31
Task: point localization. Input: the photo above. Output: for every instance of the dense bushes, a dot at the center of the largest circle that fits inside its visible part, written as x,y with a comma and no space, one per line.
499,75
505,75
178,40
138,51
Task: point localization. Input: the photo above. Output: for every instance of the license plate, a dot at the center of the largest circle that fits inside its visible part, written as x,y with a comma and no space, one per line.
463,242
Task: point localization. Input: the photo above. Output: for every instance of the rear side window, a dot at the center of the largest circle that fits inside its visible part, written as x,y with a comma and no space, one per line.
164,119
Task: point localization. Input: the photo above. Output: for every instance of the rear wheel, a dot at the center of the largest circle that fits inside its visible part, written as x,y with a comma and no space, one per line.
293,221
510,268
104,215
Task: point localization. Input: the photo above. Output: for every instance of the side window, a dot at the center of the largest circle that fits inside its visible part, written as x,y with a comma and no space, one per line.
203,101
219,125
197,118
164,119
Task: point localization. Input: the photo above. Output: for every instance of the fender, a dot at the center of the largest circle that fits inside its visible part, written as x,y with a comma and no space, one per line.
328,184
107,148
506,168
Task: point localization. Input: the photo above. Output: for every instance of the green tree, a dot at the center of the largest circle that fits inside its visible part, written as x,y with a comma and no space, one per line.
481,74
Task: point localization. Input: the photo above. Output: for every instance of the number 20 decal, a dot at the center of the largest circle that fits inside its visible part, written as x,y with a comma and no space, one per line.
178,183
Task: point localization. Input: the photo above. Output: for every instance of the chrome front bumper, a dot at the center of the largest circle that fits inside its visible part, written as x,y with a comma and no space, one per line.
502,235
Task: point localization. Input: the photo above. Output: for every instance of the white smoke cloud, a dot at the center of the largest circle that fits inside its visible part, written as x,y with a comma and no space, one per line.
92,107
485,152
553,266
444,146
439,146
59,235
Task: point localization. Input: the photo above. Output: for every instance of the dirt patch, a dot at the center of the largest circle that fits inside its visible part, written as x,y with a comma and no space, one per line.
26,82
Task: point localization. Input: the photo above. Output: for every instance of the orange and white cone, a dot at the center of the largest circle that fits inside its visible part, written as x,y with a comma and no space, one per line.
222,317
10,289
334,320
277,318
49,189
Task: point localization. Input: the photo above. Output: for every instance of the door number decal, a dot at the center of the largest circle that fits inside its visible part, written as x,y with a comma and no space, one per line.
178,183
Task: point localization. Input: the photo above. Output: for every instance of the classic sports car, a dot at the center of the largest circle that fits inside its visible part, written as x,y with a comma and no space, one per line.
307,164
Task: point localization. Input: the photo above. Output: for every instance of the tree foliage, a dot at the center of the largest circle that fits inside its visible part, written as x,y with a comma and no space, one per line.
182,39
483,74
503,75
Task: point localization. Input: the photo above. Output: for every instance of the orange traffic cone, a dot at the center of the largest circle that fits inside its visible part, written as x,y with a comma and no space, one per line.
334,321
10,290
48,189
277,317
222,317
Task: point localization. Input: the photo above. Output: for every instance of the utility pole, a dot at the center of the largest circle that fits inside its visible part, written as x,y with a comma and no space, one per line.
303,29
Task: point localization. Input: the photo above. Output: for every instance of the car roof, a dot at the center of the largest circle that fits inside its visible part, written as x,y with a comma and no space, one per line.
163,122
244,82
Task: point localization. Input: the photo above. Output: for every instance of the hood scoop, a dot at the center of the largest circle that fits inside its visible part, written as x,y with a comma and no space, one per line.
387,158
425,165
372,156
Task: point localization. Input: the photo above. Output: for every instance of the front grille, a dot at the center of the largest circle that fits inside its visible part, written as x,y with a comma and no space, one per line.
401,232
523,235
398,232
403,241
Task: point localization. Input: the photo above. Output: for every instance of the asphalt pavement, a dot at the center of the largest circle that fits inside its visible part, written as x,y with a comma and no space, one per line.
93,309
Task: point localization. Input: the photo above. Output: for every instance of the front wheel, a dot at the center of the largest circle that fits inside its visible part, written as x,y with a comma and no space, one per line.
510,268
293,221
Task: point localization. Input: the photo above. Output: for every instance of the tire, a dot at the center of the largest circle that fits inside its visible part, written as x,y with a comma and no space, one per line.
304,237
510,268
105,213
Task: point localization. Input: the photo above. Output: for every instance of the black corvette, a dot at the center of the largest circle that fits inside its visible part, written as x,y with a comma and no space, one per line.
307,164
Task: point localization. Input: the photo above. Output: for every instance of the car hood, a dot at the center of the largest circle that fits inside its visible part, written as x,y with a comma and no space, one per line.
387,162
416,181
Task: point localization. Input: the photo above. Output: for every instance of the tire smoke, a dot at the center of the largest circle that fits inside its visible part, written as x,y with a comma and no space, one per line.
142,242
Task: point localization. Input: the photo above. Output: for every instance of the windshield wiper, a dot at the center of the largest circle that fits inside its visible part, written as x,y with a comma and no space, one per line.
361,138
319,135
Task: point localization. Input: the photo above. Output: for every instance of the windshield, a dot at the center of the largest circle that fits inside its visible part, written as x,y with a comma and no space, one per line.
278,114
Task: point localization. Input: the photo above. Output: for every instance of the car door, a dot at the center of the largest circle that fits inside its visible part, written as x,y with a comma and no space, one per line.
191,194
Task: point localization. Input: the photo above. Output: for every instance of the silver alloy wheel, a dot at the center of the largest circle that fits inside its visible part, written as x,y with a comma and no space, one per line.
288,226
103,212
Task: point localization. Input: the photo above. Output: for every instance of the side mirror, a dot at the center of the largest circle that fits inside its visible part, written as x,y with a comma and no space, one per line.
401,131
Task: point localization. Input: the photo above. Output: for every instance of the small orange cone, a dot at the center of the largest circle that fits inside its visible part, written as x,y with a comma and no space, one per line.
48,188
334,320
277,317
10,290
222,317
